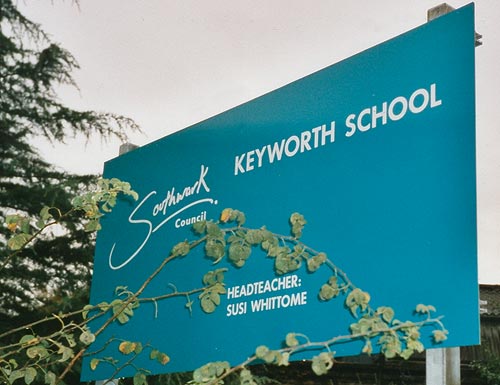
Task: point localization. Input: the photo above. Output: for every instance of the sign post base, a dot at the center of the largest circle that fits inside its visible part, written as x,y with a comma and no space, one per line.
442,366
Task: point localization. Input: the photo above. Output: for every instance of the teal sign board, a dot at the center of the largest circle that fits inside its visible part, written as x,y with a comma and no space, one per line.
377,152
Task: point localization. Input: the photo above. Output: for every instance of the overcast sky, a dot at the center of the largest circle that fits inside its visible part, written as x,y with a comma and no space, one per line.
171,63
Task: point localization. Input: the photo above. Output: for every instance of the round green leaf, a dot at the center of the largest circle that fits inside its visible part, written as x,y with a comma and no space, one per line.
291,339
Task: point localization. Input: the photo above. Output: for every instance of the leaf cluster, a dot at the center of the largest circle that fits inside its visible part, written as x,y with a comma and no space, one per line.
374,326
220,239
297,222
395,338
269,356
330,289
94,204
132,349
121,309
210,297
209,373
237,243
488,368
36,357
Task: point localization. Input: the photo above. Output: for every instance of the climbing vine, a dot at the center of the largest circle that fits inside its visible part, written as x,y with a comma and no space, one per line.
50,357
372,325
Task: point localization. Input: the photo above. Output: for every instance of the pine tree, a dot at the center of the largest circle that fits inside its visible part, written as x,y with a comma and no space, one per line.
55,270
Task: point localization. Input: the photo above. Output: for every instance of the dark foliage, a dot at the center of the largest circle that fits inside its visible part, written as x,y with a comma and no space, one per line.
53,274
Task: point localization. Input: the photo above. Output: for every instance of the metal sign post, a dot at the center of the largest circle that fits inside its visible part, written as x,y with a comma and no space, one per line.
442,366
